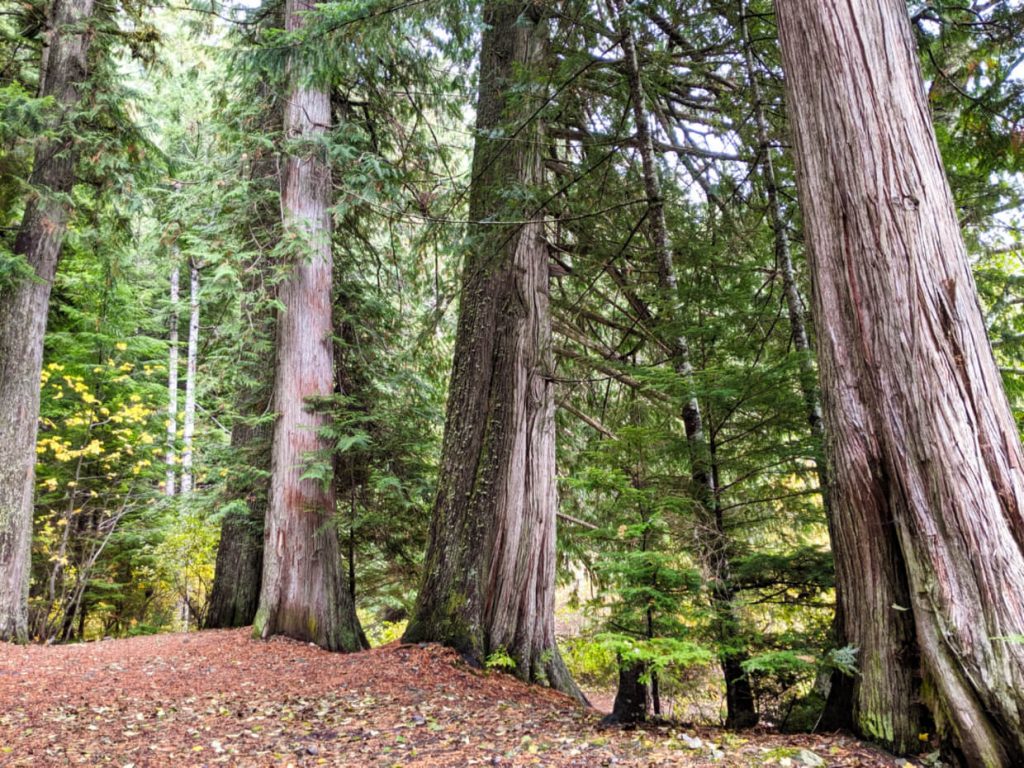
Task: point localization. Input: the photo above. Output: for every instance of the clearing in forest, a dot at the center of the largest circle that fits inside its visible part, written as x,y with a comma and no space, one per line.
221,698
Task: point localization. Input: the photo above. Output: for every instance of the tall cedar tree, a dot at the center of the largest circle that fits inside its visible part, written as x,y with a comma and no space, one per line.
23,307
927,464
489,575
303,593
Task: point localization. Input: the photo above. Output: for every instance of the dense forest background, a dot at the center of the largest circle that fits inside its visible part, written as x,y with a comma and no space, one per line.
677,571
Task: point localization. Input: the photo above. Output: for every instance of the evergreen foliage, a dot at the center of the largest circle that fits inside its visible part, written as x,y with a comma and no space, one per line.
181,154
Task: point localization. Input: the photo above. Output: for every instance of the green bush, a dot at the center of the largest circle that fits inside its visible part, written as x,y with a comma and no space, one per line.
381,632
591,662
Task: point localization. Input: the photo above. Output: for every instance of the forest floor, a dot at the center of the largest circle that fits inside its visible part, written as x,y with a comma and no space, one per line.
220,698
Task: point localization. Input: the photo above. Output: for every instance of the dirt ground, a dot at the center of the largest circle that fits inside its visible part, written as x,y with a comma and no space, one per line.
221,698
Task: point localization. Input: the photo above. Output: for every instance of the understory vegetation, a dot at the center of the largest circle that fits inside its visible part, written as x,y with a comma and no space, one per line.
645,150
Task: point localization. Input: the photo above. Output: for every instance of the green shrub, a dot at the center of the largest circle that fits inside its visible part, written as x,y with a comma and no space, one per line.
381,632
591,662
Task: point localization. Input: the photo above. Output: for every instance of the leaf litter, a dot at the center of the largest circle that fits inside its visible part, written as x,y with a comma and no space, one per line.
219,697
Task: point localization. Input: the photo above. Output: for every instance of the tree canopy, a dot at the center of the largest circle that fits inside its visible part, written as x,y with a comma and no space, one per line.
530,329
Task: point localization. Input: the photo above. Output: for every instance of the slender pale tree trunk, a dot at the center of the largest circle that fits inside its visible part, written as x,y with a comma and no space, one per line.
712,540
189,425
188,419
490,567
191,362
24,306
927,484
303,592
172,387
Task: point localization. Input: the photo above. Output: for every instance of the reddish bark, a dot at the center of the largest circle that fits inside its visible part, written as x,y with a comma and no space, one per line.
926,461
303,594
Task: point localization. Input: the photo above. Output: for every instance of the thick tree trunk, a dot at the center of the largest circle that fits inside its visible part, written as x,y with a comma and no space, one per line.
711,536
303,592
633,699
489,575
926,461
23,310
191,361
172,386
235,595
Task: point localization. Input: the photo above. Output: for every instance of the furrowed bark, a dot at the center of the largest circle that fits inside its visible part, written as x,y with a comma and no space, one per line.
24,306
234,597
302,592
490,566
712,540
926,461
